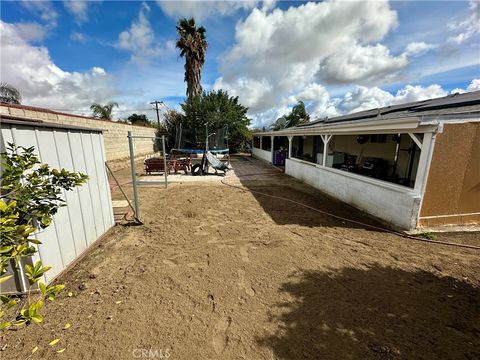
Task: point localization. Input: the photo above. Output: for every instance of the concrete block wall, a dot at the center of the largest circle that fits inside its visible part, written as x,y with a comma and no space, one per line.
115,134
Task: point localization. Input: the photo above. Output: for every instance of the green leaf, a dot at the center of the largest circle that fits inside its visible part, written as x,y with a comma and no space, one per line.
6,249
43,288
37,319
5,278
5,325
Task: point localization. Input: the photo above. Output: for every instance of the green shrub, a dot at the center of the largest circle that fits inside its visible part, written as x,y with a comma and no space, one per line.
30,194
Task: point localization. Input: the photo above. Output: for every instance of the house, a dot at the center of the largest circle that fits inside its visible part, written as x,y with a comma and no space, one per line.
411,165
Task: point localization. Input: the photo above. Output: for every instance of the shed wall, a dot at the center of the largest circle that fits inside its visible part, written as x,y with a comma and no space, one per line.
115,134
88,212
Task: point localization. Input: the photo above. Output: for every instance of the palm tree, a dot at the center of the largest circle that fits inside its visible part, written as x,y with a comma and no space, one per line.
8,94
103,111
193,46
297,116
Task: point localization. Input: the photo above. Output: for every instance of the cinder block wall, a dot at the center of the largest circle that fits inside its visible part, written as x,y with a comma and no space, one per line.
115,134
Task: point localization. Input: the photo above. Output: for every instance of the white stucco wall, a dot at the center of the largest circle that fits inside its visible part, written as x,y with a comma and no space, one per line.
262,154
391,203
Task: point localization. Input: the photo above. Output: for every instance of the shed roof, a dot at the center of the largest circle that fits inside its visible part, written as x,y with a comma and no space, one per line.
12,120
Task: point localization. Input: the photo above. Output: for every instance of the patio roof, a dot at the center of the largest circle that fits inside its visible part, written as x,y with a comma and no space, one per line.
408,115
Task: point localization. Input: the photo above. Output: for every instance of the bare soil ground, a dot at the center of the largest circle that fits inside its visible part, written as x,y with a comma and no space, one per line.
218,273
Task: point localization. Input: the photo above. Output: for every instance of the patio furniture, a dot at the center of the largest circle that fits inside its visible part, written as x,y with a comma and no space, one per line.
185,164
155,164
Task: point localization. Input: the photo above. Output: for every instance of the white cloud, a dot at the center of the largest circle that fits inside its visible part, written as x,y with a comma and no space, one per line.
417,93
362,98
30,32
365,64
474,85
41,82
467,28
418,48
43,9
200,10
281,52
140,39
77,36
78,9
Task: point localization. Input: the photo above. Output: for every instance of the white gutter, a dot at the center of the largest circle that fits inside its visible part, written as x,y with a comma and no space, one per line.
423,123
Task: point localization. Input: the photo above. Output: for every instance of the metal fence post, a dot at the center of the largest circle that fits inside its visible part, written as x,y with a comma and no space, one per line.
134,175
164,159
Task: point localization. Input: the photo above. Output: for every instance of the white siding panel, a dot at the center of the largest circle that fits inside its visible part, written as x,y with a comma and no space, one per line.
76,149
6,133
88,213
61,220
49,250
110,208
72,197
102,177
93,183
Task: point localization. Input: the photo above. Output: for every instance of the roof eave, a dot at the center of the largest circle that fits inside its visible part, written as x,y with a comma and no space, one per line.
351,127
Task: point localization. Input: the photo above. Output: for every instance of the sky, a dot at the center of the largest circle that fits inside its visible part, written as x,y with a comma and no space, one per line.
336,56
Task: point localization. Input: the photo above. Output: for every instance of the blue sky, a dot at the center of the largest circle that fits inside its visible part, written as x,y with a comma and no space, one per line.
336,56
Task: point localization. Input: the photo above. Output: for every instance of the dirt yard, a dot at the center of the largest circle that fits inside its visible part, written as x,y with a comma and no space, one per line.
218,273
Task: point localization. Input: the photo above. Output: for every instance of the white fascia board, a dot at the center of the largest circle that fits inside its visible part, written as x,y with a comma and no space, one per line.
387,126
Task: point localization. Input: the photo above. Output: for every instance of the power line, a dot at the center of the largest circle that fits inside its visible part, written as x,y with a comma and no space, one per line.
156,102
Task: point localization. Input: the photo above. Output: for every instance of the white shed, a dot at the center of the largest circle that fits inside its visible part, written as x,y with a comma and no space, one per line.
88,214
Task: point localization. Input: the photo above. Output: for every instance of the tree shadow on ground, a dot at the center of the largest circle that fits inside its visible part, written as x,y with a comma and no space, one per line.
378,313
273,182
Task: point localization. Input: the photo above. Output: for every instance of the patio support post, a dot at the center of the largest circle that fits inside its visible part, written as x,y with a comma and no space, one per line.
290,141
326,139
261,137
423,162
272,139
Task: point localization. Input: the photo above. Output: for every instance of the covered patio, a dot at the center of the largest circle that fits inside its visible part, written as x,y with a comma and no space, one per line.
379,160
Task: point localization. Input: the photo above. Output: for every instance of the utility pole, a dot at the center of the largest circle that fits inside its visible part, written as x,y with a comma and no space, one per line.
156,103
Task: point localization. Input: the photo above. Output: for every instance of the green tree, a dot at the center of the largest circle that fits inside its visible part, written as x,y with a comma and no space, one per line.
173,119
139,119
9,94
217,110
296,117
103,112
192,44
30,194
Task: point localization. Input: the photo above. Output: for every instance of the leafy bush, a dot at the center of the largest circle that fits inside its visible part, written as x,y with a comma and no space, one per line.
217,110
30,194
